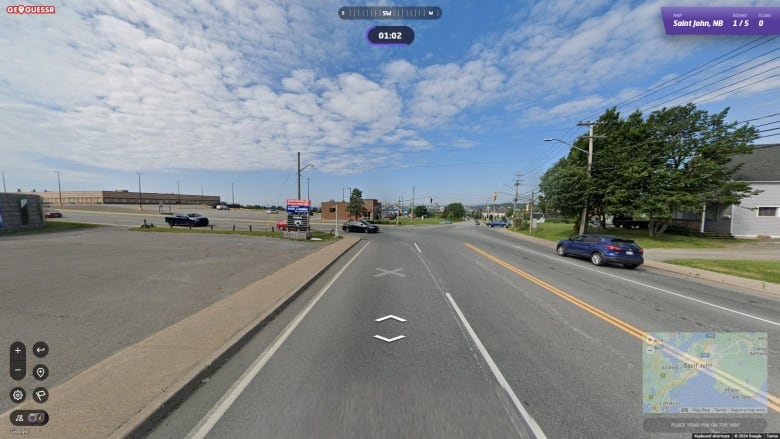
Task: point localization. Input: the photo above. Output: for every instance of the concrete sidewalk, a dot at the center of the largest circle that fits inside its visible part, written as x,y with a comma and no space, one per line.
654,258
120,395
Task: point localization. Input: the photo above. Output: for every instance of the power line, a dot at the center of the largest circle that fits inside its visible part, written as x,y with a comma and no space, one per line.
696,70
713,82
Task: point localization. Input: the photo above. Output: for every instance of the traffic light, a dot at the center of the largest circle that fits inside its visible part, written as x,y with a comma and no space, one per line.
495,195
528,207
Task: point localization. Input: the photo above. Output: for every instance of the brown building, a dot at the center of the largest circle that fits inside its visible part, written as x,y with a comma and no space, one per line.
125,197
371,207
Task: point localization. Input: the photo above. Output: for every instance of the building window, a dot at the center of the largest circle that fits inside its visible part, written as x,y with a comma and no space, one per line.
711,213
767,211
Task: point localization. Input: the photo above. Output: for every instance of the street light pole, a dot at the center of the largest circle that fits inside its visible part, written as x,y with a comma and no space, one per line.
140,206
299,173
59,186
178,192
4,182
232,193
308,180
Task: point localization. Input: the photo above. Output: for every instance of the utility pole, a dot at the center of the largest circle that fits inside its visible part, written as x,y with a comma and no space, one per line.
589,124
140,206
412,211
178,192
232,193
201,194
514,206
398,214
4,182
531,213
307,187
59,186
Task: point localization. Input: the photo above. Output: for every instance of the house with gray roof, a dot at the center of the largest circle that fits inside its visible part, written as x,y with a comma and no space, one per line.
757,215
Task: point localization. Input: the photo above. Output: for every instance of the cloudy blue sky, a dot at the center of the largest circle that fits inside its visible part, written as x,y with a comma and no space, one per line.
209,93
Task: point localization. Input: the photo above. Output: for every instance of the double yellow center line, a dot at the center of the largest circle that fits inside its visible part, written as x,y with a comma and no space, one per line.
773,402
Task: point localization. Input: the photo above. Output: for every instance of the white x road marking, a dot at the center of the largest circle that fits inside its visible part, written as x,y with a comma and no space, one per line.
393,272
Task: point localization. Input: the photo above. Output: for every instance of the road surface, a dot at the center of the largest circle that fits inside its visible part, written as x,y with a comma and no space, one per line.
459,331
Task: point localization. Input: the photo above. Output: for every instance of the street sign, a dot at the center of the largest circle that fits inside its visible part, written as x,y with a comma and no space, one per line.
298,214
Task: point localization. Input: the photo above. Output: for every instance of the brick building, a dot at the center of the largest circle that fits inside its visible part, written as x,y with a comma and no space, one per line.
372,208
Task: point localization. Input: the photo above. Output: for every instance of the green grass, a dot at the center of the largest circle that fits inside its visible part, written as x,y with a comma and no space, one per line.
767,271
556,232
325,236
52,227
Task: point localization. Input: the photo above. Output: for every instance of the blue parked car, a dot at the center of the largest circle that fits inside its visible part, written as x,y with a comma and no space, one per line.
602,249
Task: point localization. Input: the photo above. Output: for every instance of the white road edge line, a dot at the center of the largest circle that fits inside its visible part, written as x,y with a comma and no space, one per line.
682,296
418,248
221,407
535,428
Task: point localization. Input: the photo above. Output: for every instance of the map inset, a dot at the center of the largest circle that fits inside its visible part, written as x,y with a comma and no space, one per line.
705,372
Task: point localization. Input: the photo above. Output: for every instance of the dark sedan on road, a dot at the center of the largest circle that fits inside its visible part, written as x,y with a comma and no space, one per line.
360,226
187,220
602,249
53,214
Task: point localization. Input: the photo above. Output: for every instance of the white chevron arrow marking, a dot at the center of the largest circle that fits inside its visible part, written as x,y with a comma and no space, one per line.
389,340
390,316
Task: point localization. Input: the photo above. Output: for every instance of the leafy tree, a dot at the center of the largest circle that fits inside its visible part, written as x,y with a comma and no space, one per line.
688,152
674,160
420,211
356,205
564,187
454,211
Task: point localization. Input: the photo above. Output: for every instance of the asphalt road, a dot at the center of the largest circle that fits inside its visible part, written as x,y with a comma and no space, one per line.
501,338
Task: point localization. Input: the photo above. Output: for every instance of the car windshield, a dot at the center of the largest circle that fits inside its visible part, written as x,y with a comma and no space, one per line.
569,218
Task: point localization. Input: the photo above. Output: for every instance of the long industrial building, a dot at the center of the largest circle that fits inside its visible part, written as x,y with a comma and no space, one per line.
124,197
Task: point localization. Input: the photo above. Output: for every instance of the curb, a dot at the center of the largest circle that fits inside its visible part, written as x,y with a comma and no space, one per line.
725,279
157,410
695,273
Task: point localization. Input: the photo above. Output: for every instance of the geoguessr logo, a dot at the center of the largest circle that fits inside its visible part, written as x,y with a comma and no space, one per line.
29,9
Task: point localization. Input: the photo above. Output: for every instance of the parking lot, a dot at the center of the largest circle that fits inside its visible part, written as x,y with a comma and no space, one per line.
91,293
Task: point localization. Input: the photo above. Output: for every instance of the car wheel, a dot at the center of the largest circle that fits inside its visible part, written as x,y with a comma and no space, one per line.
560,250
630,266
597,259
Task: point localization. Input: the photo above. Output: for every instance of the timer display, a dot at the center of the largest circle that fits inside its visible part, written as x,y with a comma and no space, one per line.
390,35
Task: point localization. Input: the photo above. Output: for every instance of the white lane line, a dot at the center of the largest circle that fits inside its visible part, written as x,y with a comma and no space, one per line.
529,420
221,407
418,248
662,290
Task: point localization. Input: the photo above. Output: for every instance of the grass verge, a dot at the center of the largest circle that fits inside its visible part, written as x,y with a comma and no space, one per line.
52,227
767,271
324,236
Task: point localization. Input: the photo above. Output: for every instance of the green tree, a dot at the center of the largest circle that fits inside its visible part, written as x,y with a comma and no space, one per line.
356,206
420,211
564,187
674,160
454,211
688,153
